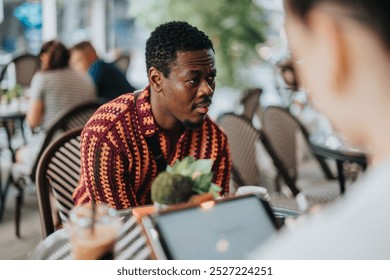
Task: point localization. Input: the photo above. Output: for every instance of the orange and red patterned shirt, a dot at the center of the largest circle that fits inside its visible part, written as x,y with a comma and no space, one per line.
118,167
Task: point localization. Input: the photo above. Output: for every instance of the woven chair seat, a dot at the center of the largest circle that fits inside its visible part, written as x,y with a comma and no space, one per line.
316,193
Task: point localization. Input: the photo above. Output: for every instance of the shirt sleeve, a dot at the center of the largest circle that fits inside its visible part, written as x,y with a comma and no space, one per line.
103,174
36,90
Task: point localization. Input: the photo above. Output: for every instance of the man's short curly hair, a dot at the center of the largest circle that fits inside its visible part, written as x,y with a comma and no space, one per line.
168,39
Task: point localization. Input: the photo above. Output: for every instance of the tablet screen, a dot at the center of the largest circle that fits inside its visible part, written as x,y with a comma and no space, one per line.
225,230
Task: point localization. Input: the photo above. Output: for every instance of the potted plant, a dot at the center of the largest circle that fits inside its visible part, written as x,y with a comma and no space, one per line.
187,182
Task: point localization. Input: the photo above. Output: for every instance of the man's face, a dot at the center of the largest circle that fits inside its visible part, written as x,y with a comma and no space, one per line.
188,90
79,61
313,64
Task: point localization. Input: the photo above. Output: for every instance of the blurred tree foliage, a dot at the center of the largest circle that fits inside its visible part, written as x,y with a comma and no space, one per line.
235,27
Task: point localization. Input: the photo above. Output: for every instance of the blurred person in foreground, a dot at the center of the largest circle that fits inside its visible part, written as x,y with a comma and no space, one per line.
344,51
54,88
131,139
109,80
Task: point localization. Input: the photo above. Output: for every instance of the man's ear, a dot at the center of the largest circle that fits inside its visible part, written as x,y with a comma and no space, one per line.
155,79
332,40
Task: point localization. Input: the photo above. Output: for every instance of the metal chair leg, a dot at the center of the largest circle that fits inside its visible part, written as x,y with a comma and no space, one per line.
4,196
1,206
18,210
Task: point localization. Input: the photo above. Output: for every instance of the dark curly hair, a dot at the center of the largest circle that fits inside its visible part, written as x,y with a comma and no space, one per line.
374,13
168,39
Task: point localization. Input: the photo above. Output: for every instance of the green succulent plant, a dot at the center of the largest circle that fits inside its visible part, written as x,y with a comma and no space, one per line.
171,188
185,178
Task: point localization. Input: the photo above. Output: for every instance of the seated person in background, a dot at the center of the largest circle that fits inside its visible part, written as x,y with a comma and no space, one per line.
288,73
54,88
344,47
131,139
109,80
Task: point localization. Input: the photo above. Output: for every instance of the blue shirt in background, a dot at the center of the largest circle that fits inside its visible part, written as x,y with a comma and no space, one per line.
109,80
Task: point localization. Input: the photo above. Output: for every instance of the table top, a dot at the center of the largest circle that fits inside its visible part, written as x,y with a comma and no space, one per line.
13,111
332,146
131,244
12,115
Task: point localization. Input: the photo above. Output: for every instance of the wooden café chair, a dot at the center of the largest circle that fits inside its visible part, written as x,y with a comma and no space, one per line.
279,136
58,173
21,174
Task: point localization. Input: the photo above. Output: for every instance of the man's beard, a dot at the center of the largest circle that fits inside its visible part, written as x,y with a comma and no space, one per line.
192,125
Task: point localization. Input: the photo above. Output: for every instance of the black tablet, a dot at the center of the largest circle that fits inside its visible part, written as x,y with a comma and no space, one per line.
228,229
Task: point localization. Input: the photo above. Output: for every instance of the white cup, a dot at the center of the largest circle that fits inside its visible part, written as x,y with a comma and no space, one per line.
253,190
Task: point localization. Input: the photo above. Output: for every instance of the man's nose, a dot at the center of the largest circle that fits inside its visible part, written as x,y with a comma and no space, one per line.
206,89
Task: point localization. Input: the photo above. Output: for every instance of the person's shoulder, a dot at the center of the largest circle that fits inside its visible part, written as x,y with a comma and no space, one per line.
96,67
106,66
215,129
47,77
73,77
67,71
38,77
105,70
99,64
108,115
59,73
73,74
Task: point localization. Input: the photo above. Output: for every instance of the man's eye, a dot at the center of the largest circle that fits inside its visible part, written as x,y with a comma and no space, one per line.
194,81
211,79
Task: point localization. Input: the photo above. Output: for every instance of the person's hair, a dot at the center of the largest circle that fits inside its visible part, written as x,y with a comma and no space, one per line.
372,13
168,39
84,46
59,55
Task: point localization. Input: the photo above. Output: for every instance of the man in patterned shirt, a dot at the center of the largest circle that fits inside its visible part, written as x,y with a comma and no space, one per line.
130,140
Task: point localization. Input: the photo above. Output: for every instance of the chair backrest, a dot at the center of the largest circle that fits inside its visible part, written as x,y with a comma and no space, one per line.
26,66
122,62
242,138
251,101
72,117
58,172
279,136
281,129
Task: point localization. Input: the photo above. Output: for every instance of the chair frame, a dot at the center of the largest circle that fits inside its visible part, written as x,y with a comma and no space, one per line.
42,183
15,60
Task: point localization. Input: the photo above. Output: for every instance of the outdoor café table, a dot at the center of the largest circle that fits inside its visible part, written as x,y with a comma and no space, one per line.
7,115
131,243
10,115
331,147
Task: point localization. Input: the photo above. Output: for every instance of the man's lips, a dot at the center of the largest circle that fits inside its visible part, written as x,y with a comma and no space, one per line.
203,107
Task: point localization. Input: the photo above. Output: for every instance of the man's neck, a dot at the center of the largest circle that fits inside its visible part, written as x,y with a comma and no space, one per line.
163,118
